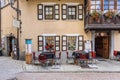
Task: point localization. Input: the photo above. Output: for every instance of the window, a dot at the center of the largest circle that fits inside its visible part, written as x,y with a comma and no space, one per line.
95,5
48,42
48,12
118,6
108,5
72,12
72,42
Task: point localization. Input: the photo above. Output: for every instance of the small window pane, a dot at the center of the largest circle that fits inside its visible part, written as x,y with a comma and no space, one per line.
98,7
111,7
111,2
106,7
73,9
56,7
56,16
98,2
92,2
80,12
118,7
105,1
56,12
92,7
69,9
118,2
40,16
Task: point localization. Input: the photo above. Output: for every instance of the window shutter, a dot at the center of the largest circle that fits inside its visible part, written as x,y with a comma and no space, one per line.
80,42
64,43
80,12
57,11
40,43
40,11
64,11
57,43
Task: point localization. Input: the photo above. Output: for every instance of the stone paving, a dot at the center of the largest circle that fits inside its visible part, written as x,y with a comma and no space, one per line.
68,76
101,66
9,68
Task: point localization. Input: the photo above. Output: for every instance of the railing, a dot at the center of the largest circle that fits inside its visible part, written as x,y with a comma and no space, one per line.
115,20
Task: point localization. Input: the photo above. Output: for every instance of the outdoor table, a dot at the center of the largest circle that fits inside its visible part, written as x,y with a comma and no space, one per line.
49,55
81,56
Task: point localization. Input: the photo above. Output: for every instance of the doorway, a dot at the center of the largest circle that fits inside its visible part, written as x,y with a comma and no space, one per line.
102,44
11,45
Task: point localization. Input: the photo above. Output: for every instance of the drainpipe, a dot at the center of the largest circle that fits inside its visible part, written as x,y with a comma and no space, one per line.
18,13
0,25
17,31
0,32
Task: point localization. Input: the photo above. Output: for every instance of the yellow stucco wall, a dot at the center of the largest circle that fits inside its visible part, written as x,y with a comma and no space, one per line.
6,21
32,27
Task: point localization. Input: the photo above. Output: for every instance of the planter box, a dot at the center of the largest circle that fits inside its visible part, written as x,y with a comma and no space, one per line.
28,58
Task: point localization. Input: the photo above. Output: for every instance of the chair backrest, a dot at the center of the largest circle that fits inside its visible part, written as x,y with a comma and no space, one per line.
67,55
59,55
42,58
34,56
93,54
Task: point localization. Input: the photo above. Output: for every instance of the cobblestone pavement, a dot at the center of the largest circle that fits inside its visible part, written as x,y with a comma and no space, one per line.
10,68
68,76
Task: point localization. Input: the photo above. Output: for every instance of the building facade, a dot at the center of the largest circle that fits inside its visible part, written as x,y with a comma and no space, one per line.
65,24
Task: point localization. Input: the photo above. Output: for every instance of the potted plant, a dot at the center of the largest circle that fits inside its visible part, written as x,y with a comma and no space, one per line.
118,14
49,46
95,15
71,47
109,14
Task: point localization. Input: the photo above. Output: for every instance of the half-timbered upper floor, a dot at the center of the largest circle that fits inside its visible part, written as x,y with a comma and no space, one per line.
102,14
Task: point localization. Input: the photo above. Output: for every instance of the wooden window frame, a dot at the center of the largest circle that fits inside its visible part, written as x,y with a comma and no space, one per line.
79,44
57,41
39,43
64,9
49,6
39,11
57,14
96,5
109,5
64,43
72,11
117,6
80,9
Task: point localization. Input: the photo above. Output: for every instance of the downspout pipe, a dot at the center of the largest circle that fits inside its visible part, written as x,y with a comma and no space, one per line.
18,13
0,25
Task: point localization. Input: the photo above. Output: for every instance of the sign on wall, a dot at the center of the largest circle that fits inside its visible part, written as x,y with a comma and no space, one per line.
16,23
28,43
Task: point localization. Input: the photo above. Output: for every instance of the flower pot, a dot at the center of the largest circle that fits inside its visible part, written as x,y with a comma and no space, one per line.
28,58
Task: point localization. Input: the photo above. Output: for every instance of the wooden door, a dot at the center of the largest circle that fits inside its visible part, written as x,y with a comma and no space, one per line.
106,47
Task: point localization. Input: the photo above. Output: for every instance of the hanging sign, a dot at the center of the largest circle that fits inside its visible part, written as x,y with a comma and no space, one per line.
16,23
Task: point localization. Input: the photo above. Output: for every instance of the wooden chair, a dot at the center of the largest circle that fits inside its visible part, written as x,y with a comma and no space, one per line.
57,59
43,59
69,58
